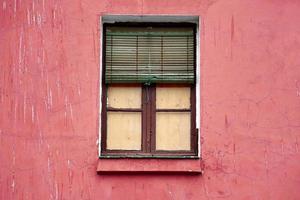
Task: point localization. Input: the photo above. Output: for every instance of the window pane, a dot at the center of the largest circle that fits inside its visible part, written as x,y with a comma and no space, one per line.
124,130
172,97
124,97
173,131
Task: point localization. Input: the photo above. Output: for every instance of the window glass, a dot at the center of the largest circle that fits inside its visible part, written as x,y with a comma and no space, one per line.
124,130
173,97
173,131
124,97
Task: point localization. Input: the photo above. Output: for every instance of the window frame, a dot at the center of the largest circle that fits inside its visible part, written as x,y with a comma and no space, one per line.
148,113
146,144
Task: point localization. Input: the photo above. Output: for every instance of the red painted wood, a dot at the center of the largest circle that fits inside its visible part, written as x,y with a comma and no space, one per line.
146,166
250,94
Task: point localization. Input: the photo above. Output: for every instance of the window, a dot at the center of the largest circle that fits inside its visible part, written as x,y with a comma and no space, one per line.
148,90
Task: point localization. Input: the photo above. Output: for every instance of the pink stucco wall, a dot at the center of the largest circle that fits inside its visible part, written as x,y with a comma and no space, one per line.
250,101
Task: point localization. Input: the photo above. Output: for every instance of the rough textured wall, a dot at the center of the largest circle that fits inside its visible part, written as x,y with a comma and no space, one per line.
250,101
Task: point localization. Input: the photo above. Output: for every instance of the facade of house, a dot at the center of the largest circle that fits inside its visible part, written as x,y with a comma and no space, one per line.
247,102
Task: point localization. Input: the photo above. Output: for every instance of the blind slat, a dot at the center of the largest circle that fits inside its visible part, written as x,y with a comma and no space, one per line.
150,55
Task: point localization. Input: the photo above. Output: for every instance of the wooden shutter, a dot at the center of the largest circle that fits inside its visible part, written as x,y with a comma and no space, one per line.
149,54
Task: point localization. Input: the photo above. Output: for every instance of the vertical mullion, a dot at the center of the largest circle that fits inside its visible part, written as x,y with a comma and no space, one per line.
104,119
193,120
148,119
194,133
148,103
104,94
144,120
152,121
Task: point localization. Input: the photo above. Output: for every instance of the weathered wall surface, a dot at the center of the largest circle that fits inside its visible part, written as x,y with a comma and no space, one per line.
250,101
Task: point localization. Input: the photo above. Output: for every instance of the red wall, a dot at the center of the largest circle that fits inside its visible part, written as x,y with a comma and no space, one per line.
250,101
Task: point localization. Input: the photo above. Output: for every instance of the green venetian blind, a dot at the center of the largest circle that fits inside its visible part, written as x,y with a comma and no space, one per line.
149,55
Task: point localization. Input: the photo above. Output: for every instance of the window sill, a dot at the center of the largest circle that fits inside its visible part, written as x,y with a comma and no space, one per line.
149,166
141,156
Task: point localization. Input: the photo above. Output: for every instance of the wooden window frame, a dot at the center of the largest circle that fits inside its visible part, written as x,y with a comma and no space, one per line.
148,111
